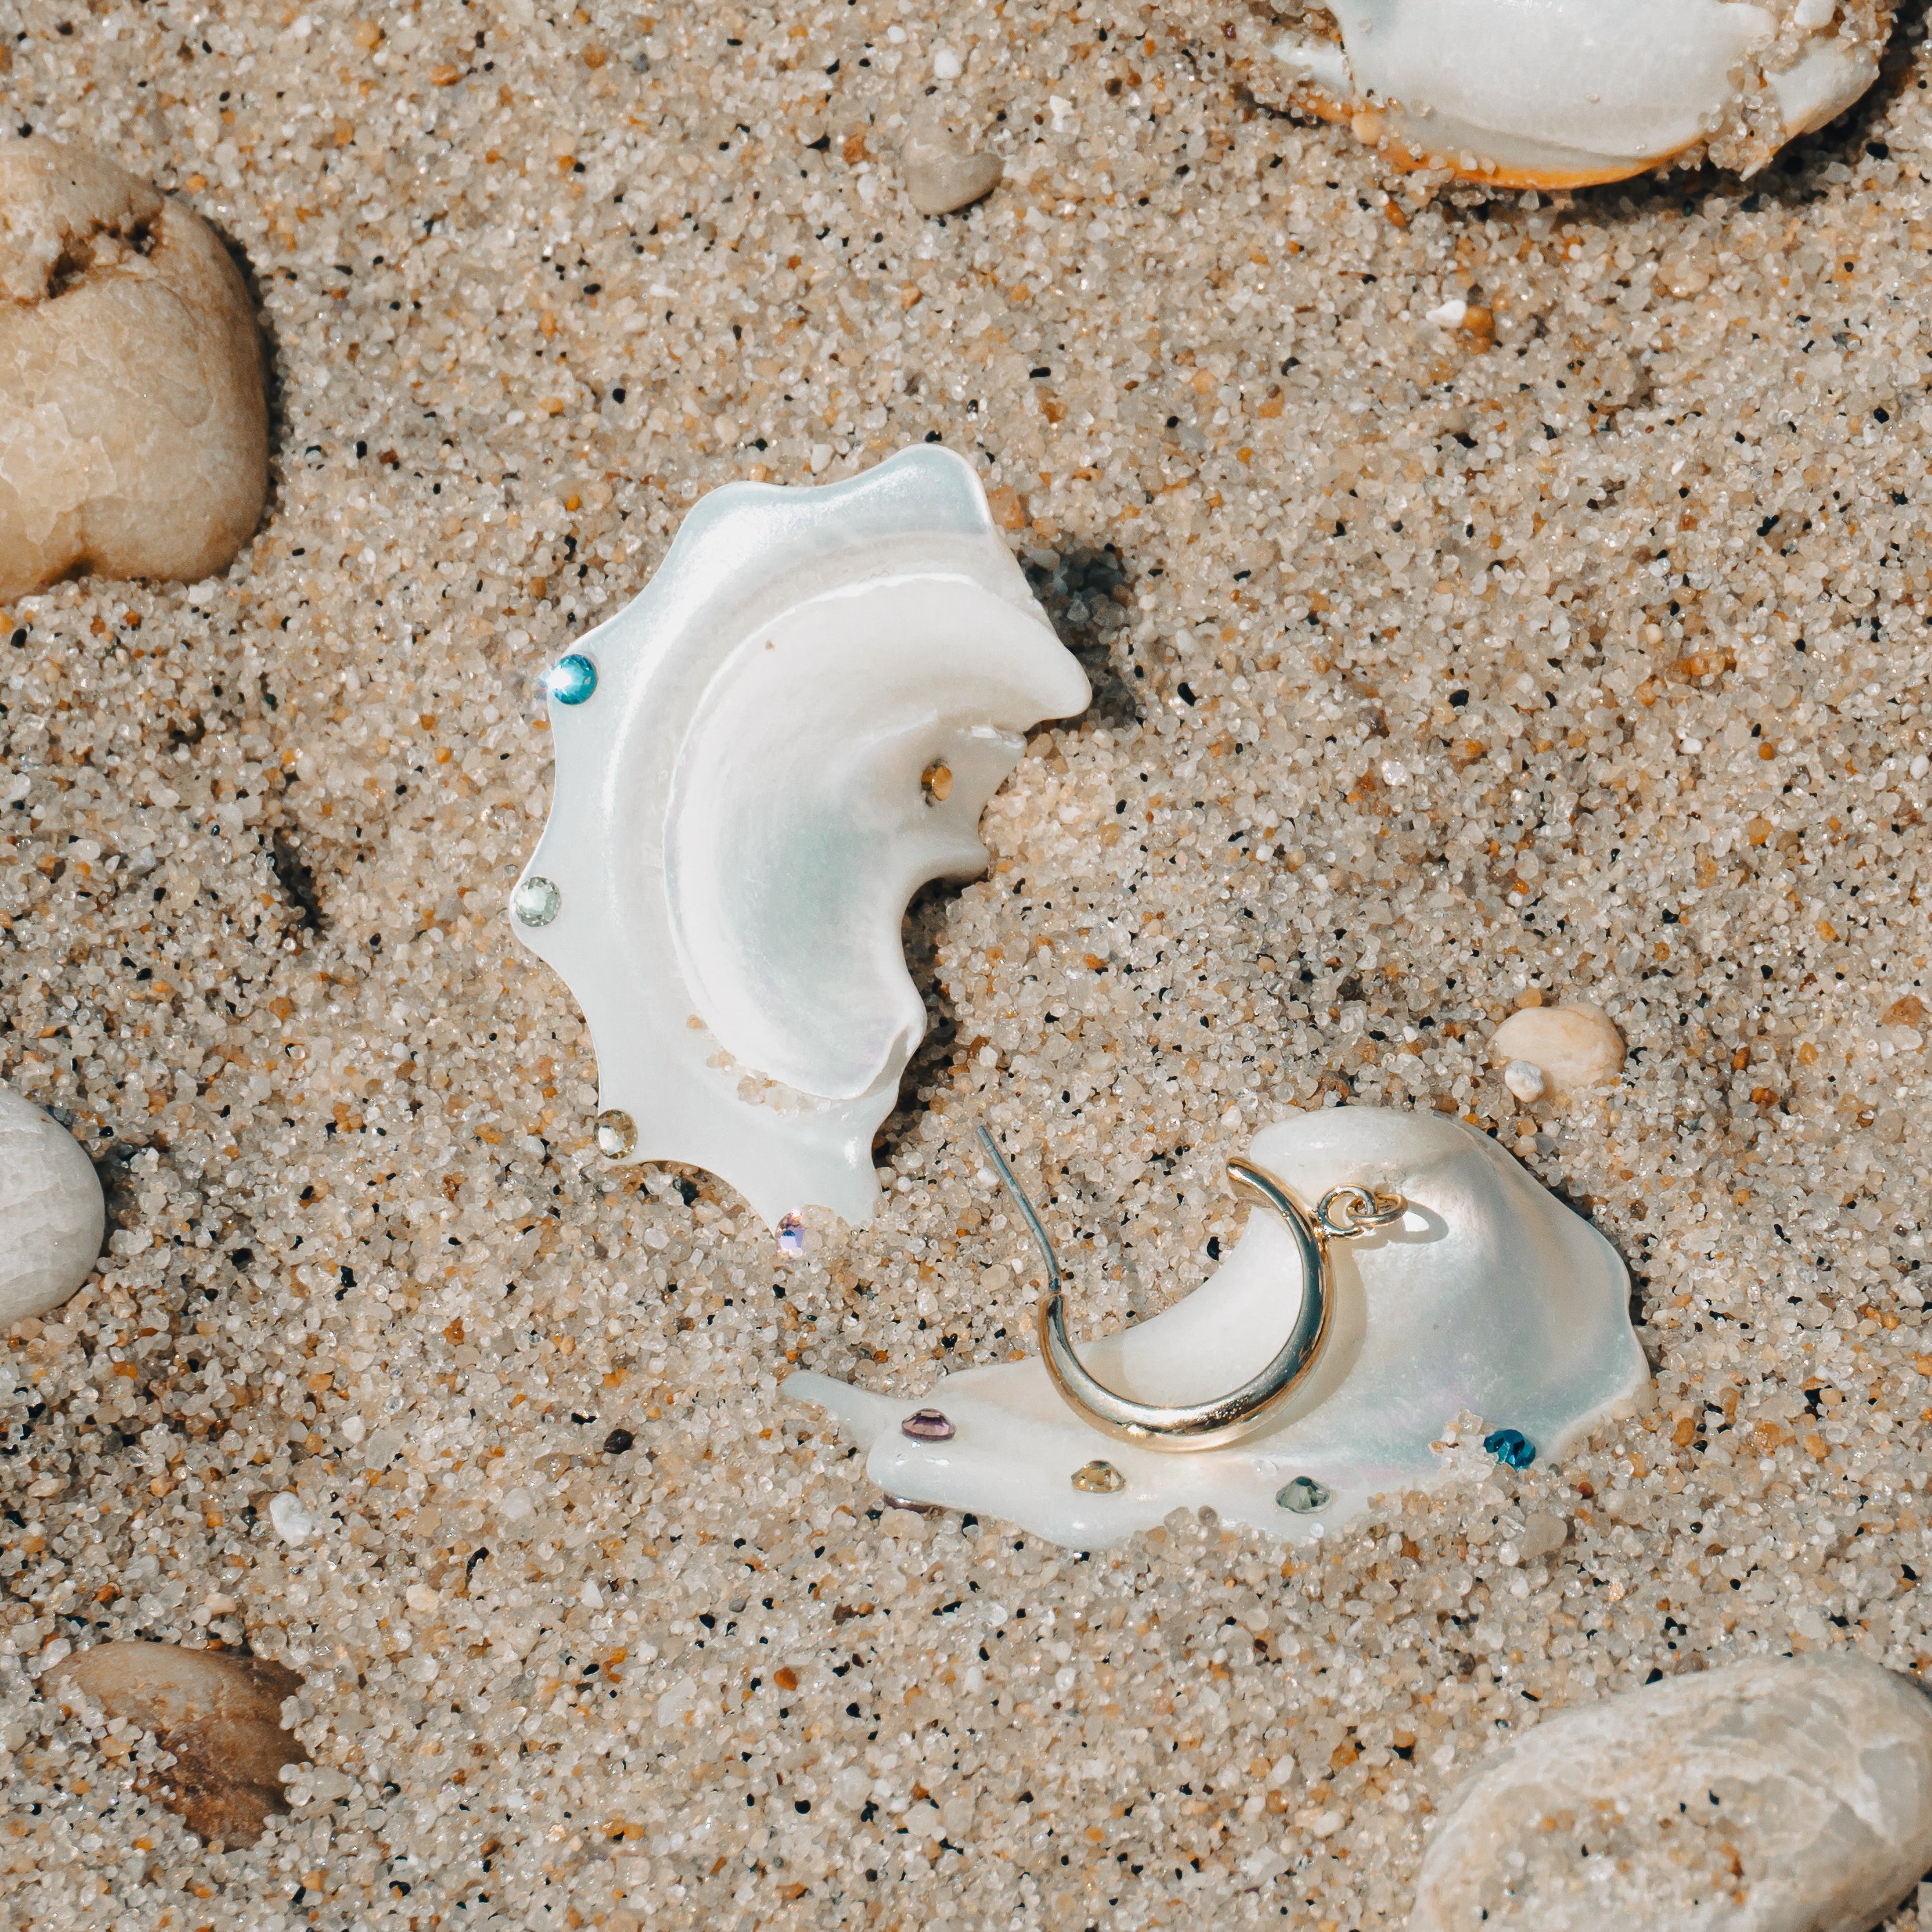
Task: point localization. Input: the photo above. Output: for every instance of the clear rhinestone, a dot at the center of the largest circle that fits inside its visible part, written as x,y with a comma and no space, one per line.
616,1133
1304,1494
791,1234
536,901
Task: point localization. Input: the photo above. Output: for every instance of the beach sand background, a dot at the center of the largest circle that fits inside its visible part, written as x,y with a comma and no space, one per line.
1576,649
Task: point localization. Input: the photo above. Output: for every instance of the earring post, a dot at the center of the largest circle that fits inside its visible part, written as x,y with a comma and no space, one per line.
1018,1193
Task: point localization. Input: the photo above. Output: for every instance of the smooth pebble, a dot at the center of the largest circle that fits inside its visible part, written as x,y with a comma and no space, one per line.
942,172
134,417
219,1713
1779,1795
1571,1048
52,1214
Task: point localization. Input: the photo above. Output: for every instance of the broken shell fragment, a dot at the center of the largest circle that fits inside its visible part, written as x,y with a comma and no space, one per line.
1556,94
1568,1049
219,1713
134,419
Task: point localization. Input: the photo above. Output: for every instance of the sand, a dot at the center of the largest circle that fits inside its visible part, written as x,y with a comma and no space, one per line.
1573,649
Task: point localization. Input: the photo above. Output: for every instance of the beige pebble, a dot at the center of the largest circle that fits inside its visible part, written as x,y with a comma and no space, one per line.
1571,1047
220,1714
1781,1794
134,422
1542,1535
943,173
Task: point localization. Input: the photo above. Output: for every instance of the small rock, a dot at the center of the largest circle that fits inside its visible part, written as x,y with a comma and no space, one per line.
1524,1078
134,419
1781,1794
52,1214
1571,1047
293,1523
220,1714
942,173
1543,1535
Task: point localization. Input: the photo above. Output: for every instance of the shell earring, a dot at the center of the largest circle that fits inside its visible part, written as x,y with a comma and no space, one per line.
1341,1214
797,723
1489,1300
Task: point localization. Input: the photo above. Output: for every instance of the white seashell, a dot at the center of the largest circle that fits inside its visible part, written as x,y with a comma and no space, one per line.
796,724
1783,1794
1488,1296
1558,93
52,1214
1569,1047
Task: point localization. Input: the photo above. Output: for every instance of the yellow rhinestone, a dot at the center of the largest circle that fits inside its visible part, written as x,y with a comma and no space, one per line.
1100,1477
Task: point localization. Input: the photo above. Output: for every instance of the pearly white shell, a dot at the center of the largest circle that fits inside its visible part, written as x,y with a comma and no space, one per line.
1557,93
1489,1296
52,1214
739,822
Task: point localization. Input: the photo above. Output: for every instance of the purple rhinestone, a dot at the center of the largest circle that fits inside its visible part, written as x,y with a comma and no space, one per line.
927,1425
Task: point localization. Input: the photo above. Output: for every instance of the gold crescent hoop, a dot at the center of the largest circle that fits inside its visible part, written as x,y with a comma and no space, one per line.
1342,1213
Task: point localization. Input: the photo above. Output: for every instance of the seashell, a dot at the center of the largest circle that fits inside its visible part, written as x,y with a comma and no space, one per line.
1489,1295
796,724
1555,94
1783,1794
52,1214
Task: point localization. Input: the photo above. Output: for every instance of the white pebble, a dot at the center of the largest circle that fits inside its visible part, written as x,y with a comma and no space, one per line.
1449,314
1524,1078
52,1215
1571,1047
293,1523
946,65
1799,1788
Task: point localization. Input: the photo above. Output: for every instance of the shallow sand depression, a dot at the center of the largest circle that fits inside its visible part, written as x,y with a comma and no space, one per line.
1573,648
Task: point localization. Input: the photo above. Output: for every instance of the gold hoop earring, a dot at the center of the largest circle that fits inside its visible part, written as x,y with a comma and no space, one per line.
1342,1213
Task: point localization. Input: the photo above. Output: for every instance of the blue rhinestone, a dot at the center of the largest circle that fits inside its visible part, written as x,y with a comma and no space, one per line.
1510,1446
572,680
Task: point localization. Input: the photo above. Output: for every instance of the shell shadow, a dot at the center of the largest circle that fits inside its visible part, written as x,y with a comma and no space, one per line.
274,367
1076,590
